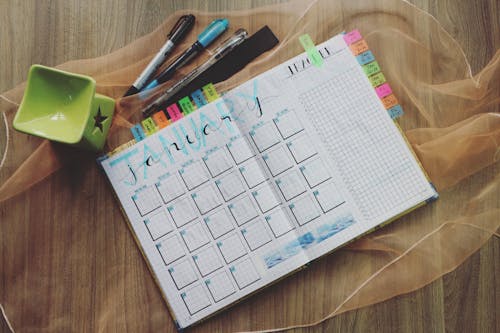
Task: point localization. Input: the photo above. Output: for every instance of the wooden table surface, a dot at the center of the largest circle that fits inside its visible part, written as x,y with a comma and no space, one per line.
465,300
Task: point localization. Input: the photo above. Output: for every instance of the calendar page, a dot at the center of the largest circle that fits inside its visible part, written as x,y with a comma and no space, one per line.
279,171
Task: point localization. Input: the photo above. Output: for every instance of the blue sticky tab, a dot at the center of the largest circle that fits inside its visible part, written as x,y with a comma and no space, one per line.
365,57
396,111
199,98
138,133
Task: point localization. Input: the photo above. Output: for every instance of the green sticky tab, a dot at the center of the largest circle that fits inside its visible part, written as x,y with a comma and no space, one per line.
186,105
377,79
371,68
149,126
312,52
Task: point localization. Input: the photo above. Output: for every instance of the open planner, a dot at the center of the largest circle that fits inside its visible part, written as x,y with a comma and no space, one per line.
277,172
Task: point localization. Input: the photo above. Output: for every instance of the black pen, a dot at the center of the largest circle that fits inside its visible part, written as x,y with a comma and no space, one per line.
214,30
178,32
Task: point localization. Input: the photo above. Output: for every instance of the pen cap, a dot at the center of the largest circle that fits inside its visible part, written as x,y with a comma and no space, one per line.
181,28
214,30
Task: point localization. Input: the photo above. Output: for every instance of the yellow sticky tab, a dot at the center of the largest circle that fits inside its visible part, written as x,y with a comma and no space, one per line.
210,92
149,126
377,79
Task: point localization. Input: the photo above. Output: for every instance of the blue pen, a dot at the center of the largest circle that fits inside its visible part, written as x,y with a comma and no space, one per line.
214,30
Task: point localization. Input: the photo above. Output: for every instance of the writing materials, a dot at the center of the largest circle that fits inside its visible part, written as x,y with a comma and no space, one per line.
214,30
261,41
224,48
178,32
256,184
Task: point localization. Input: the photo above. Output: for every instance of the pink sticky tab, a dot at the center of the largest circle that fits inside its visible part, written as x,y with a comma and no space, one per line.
352,37
174,112
383,90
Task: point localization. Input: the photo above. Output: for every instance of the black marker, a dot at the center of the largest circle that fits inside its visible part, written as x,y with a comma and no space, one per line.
178,32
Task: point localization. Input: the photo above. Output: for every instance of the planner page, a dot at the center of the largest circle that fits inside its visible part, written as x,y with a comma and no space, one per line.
281,170
204,211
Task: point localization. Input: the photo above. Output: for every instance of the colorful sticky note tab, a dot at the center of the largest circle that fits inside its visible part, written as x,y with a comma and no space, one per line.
198,98
395,112
311,50
371,68
377,79
389,101
352,37
383,90
160,119
210,92
149,126
174,112
359,47
365,57
186,105
138,133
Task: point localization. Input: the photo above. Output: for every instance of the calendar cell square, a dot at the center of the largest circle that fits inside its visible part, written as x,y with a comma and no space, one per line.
194,236
182,211
158,224
170,249
304,209
243,209
291,185
194,174
244,273
146,200
219,223
265,136
288,124
170,187
301,148
195,298
252,173
240,150
230,185
182,273
218,161
220,286
278,160
231,248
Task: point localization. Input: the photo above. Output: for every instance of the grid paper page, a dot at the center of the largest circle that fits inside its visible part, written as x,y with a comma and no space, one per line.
367,150
283,169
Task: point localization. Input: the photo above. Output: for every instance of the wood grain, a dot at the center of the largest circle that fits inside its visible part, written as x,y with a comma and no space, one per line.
465,300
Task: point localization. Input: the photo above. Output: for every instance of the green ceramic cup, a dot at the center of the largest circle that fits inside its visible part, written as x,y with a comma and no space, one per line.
63,107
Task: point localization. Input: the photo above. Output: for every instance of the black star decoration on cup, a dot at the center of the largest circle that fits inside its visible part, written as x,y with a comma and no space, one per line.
99,118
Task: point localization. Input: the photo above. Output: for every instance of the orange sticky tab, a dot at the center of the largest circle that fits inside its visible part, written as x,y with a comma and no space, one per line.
359,47
389,101
160,119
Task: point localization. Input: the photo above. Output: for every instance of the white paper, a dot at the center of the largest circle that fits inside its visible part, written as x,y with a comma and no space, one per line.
281,170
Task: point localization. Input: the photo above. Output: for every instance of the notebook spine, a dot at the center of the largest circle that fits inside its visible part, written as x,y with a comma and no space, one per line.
370,66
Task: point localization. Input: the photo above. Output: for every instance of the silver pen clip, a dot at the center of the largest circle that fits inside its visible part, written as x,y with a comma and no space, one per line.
236,39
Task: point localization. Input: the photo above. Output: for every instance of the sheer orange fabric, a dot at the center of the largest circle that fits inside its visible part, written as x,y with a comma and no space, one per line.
451,119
